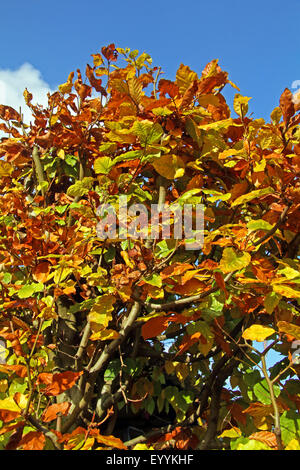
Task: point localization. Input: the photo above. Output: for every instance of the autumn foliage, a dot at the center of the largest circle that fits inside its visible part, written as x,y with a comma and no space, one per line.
143,343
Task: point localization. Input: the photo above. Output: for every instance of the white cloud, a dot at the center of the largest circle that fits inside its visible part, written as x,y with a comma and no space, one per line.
13,84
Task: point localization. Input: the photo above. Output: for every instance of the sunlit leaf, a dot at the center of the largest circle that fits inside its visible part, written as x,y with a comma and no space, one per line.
257,332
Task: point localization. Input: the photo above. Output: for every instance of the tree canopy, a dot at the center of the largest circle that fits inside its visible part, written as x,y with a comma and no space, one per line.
144,343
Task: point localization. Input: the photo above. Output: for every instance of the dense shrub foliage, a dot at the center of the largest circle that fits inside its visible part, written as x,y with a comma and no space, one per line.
142,343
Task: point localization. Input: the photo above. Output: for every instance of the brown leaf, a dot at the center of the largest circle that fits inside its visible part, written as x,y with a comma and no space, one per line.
110,53
286,105
41,271
95,83
168,87
266,437
34,440
7,113
154,327
52,411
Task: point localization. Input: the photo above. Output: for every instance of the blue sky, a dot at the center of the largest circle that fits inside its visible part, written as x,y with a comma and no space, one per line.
257,42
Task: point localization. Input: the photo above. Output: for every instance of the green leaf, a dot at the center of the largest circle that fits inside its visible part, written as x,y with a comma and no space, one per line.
259,224
193,131
243,443
6,278
154,280
262,392
103,165
289,425
80,188
131,155
108,147
109,254
271,301
61,209
252,195
150,405
147,132
161,111
252,377
28,290
112,370
164,248
216,195
233,260
240,104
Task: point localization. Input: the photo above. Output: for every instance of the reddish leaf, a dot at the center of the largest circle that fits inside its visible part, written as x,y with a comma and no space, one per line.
61,382
154,327
34,440
18,369
7,416
286,105
110,52
266,437
41,272
52,411
7,113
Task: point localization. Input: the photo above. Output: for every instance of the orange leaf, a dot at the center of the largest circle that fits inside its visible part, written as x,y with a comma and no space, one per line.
154,327
45,378
34,440
7,416
51,412
175,269
62,382
18,369
266,437
41,271
111,441
257,409
188,341
286,105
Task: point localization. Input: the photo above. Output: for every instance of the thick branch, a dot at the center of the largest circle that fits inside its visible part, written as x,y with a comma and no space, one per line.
38,169
101,362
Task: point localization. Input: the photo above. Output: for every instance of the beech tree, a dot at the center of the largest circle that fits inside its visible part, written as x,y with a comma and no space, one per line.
145,343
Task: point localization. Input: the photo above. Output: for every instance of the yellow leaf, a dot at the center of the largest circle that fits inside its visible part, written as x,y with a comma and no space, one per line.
6,168
257,332
287,291
9,404
233,260
240,104
294,444
125,257
289,328
233,432
142,447
48,313
100,314
204,348
61,154
125,293
97,59
3,385
27,96
182,371
104,335
170,367
111,441
169,166
185,77
67,87
218,125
